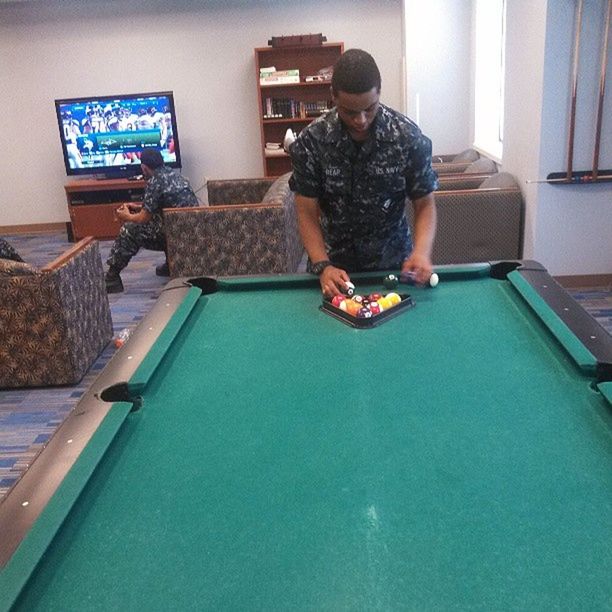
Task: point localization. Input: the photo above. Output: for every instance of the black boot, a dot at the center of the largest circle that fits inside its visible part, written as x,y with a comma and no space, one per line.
162,269
113,281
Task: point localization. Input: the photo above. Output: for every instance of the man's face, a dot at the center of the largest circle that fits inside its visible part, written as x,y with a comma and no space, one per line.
357,111
146,171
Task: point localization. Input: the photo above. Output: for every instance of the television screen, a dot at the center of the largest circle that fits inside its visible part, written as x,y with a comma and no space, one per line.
106,134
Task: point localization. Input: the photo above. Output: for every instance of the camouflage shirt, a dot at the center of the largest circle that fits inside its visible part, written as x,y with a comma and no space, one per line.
362,188
167,189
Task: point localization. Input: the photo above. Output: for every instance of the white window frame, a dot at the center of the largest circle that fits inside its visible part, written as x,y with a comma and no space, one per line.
489,68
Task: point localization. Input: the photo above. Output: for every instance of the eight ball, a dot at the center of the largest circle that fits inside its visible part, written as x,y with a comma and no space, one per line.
391,281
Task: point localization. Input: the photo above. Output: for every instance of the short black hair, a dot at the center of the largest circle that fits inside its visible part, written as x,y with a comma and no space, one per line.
355,71
152,158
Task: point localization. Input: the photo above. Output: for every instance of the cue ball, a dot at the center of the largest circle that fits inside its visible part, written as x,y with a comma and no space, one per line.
433,280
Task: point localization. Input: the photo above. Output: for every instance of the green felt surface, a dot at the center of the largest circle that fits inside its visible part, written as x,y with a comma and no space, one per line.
454,457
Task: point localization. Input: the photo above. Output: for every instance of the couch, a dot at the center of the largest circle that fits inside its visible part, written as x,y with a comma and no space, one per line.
479,224
466,162
54,321
249,227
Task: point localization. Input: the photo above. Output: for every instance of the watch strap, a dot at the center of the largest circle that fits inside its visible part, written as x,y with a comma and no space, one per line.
318,267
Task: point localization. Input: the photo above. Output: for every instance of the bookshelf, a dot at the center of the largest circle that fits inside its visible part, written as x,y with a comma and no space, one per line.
291,105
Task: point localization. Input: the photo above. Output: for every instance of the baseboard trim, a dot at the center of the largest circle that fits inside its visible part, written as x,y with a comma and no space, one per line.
35,228
586,280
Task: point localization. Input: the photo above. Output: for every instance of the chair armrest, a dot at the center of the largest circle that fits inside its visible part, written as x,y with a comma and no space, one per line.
452,182
68,254
450,167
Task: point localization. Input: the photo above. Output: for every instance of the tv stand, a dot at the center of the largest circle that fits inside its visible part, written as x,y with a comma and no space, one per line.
92,204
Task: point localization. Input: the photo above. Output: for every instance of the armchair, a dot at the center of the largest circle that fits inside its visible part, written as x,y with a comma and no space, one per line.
249,227
54,322
482,224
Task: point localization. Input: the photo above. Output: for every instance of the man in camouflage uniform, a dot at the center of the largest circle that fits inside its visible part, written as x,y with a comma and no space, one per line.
8,252
353,170
143,228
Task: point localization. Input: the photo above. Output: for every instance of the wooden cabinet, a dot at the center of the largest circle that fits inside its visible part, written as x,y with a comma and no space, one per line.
298,103
92,203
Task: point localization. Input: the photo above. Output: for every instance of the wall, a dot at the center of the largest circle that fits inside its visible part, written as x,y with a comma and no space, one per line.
203,51
438,67
569,227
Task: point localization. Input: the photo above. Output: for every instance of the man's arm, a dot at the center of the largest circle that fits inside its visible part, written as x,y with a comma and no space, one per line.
133,214
425,217
333,280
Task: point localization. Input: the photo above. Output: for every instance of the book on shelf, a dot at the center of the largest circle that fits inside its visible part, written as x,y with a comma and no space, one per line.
278,77
288,108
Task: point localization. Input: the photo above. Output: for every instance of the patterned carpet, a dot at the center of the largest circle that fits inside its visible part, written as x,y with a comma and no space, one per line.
29,417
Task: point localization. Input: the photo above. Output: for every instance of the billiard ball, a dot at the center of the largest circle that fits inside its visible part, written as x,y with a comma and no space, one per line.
352,308
337,299
358,299
384,303
390,281
394,298
373,297
375,308
364,313
409,278
349,288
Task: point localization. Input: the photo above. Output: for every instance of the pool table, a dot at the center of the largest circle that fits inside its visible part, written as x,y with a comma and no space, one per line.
246,451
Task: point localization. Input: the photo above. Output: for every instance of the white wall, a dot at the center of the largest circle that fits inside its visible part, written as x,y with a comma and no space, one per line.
525,39
203,51
438,71
569,227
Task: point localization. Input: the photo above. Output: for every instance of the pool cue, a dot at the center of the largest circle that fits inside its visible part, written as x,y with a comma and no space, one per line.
572,117
602,90
589,178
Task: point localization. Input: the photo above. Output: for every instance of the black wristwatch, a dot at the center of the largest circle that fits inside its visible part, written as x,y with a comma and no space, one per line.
318,267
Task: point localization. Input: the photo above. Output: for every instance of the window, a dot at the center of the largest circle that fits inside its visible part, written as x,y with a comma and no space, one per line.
489,76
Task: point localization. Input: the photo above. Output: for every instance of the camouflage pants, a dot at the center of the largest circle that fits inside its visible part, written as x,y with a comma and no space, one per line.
8,252
133,237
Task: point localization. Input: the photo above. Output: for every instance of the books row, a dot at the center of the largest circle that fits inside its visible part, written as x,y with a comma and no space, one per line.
271,76
288,108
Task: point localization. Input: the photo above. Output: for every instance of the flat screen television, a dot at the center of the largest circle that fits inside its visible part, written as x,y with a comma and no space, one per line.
105,135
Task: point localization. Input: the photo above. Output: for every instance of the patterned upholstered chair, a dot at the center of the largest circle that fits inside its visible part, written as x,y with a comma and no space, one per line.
249,227
54,321
482,224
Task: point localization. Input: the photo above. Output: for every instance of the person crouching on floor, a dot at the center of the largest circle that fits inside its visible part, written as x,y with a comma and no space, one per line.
142,223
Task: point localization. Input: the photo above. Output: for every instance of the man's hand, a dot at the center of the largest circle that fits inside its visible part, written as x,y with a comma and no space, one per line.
333,281
420,266
123,213
134,213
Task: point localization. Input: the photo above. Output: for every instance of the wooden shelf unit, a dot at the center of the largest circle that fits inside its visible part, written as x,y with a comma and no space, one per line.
308,60
92,204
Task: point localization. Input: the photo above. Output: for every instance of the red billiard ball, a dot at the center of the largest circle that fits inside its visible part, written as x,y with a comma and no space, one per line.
375,308
337,300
